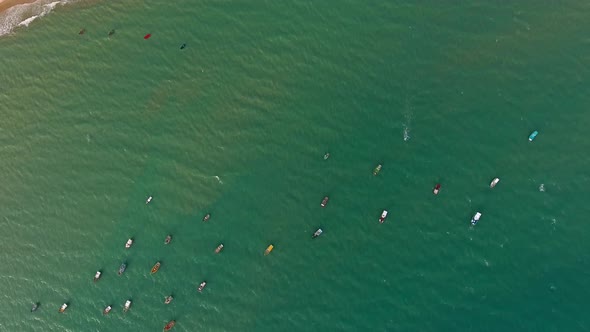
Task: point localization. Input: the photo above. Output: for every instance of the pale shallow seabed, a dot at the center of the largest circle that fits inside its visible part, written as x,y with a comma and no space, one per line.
237,124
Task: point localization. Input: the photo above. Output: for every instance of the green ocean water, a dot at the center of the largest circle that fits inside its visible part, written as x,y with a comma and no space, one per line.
237,123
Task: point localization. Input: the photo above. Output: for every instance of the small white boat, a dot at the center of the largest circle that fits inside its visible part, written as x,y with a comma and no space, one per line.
107,310
494,182
475,218
97,276
202,286
129,243
127,306
63,308
317,233
148,200
383,216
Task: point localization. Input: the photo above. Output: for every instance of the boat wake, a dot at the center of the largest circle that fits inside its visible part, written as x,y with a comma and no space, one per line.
22,15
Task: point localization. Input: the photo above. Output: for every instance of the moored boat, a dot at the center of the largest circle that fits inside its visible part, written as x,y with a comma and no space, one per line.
317,233
122,268
63,308
148,200
35,307
206,217
377,169
533,135
127,306
219,248
327,155
202,286
168,299
436,189
156,267
97,276
128,244
168,239
268,249
107,309
494,182
475,218
383,216
169,325
324,201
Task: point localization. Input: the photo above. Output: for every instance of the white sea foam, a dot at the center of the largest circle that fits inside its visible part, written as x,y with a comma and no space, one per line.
23,15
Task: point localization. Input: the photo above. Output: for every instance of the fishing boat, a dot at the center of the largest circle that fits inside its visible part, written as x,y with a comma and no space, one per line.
156,267
122,268
168,239
207,216
82,31
107,310
169,325
494,182
202,286
317,233
128,244
327,155
436,189
324,201
148,200
35,307
63,308
168,299
383,216
182,46
219,248
147,36
533,135
127,306
97,276
268,249
475,218
377,169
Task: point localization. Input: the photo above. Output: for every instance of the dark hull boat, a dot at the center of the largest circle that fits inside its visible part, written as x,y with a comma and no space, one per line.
325,201
168,239
169,325
206,217
156,267
122,268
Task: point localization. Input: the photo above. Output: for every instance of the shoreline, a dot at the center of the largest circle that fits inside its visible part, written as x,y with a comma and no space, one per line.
6,4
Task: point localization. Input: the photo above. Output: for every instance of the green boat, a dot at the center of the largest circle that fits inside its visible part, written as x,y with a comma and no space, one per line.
377,169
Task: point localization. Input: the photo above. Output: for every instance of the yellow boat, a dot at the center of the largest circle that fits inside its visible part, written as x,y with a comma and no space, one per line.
268,250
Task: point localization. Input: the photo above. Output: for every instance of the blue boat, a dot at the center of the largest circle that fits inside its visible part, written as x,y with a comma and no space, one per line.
533,135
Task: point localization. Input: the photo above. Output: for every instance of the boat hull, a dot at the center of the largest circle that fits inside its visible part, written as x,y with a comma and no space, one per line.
156,268
268,250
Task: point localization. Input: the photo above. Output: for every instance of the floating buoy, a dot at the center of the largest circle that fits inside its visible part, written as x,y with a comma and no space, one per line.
147,36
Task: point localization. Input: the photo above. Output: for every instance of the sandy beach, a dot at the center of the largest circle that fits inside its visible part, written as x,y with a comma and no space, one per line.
5,4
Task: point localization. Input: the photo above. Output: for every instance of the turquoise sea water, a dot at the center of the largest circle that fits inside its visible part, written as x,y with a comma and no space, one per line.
237,125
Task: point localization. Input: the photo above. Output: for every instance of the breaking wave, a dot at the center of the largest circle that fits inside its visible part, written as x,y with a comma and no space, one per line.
22,15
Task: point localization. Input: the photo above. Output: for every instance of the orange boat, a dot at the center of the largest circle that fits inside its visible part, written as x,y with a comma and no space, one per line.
156,267
169,325
268,250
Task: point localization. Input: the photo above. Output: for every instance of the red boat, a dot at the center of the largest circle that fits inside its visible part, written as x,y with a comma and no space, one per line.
436,189
325,201
156,267
147,36
169,325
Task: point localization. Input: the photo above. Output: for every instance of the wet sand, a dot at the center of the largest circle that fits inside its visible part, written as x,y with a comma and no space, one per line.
5,4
